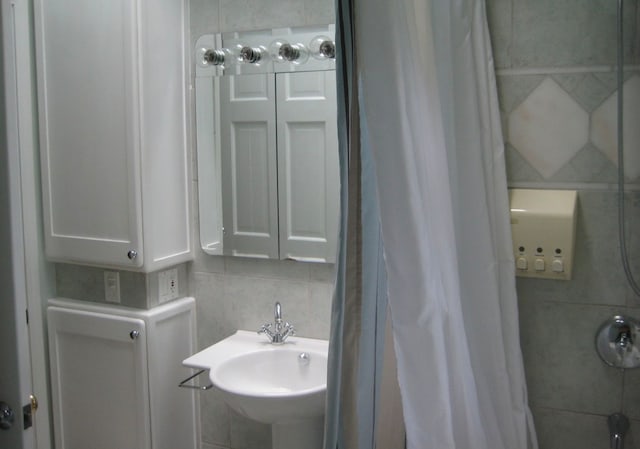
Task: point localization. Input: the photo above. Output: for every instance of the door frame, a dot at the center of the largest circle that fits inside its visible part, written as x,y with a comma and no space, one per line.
34,277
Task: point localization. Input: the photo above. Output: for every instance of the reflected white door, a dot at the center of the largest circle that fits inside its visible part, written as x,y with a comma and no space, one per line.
308,168
14,348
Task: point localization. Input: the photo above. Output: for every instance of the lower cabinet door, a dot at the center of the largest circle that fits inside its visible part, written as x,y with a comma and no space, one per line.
99,378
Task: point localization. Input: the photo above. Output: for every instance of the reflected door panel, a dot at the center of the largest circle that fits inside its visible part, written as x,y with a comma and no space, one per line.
307,165
249,165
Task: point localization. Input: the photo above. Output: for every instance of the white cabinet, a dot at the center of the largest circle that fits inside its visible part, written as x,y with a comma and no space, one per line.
112,105
115,375
280,188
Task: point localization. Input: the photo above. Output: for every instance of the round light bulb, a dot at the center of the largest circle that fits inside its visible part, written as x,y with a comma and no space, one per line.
254,55
203,57
322,47
274,50
282,51
233,55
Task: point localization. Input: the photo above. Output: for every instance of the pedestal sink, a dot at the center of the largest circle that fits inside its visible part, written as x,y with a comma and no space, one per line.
283,385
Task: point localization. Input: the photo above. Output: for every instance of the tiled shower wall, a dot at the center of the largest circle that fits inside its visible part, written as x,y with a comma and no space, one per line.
557,89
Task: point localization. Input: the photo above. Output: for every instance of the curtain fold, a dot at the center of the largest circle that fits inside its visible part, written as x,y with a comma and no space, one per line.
360,344
426,231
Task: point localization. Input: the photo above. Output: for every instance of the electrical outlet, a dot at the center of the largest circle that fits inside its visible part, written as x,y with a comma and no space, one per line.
112,286
168,285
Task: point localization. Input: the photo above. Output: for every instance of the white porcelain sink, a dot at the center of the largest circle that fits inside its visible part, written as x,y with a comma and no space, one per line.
274,384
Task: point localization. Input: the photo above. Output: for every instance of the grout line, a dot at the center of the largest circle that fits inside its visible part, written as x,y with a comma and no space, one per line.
608,187
566,410
564,70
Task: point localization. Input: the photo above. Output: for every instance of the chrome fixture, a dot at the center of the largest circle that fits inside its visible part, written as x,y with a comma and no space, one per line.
183,384
622,239
618,426
280,50
616,342
213,57
282,329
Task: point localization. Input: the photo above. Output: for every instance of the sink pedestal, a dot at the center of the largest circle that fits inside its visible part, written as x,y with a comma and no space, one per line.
307,434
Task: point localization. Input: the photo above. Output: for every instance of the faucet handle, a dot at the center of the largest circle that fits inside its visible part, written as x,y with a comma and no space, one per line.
266,329
289,330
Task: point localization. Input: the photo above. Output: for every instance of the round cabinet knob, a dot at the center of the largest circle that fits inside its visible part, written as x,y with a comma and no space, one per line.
132,254
134,334
7,417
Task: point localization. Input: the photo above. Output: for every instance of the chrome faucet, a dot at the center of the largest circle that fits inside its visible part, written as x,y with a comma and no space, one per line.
282,329
618,426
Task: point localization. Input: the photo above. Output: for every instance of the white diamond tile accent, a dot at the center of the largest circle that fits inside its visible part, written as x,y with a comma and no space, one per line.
604,127
548,128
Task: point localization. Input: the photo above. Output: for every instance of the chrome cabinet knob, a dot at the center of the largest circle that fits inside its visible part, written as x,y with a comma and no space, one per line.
134,334
132,254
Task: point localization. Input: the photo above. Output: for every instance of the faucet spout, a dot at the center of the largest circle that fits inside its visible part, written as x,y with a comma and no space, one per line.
618,426
282,329
278,312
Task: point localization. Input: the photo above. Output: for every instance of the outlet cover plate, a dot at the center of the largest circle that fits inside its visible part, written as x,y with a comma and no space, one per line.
168,285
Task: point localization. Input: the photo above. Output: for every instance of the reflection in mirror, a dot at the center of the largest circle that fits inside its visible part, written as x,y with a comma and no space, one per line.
267,145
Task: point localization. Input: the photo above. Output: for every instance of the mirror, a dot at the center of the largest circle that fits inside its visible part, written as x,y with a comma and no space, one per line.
267,144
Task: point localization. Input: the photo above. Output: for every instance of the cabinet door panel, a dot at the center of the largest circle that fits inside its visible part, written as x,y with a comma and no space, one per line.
99,380
308,179
249,172
89,129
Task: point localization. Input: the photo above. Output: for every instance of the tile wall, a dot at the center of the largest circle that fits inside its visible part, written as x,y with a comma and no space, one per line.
557,90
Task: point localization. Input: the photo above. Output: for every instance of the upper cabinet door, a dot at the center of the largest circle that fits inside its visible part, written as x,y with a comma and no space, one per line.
89,130
308,178
113,131
249,165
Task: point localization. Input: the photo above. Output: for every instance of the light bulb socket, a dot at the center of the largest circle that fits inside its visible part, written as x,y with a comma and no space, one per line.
214,57
254,55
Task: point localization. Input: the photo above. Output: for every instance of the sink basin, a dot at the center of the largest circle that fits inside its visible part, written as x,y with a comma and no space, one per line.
274,384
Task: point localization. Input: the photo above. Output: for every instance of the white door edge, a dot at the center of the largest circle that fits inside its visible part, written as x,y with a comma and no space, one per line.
36,273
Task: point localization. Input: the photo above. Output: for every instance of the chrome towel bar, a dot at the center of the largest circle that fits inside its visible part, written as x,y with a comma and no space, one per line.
183,384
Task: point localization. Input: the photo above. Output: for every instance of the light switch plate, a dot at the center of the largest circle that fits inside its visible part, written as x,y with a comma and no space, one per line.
112,286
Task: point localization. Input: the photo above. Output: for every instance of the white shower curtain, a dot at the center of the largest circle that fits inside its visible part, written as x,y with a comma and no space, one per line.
428,97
